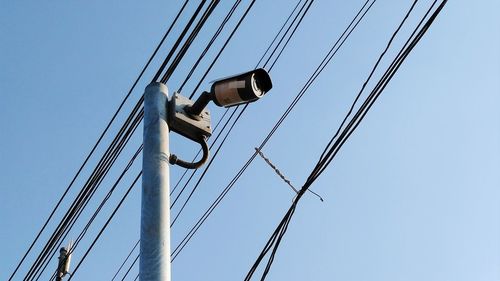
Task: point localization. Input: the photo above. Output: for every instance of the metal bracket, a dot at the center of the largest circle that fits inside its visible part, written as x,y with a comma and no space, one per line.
192,127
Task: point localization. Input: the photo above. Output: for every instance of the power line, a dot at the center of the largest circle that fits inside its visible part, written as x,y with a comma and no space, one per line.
291,35
70,217
96,212
327,59
178,41
140,101
278,33
130,267
126,259
276,36
275,239
198,153
182,51
223,47
208,166
98,141
90,186
209,44
245,107
104,226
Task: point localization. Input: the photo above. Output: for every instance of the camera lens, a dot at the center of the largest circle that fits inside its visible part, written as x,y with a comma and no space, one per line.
256,86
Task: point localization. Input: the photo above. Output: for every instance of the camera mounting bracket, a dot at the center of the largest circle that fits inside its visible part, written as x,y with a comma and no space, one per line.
184,123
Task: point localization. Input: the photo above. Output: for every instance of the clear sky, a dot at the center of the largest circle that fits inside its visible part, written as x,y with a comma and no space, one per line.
413,195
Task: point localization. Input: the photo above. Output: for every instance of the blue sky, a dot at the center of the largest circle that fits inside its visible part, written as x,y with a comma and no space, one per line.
413,194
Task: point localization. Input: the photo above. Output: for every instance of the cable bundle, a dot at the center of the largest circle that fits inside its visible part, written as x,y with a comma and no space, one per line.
342,135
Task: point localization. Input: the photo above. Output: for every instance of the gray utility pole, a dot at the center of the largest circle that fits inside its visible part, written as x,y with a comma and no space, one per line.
155,206
191,120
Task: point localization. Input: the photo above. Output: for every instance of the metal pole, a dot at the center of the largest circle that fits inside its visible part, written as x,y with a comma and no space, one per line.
154,262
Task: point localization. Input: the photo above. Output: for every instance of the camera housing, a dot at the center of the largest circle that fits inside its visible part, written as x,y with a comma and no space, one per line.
241,88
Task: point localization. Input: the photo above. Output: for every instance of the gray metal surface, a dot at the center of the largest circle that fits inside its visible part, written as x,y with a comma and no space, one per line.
155,204
181,122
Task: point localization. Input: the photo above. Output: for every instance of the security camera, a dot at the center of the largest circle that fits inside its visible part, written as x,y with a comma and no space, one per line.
234,90
242,88
192,119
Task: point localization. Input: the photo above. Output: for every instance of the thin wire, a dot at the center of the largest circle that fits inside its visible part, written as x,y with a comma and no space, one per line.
101,170
182,51
280,174
283,226
219,55
290,37
98,140
210,43
279,32
361,113
126,259
105,225
290,26
95,182
96,212
130,267
178,41
223,47
208,165
212,158
186,170
229,186
404,52
78,209
201,177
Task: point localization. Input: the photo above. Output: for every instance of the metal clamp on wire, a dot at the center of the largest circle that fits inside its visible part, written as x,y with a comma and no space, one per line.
174,160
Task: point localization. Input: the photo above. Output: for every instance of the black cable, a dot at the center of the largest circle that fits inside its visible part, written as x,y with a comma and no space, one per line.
105,225
355,121
101,170
279,32
290,37
178,41
182,51
281,229
208,166
290,26
126,259
193,172
174,160
404,52
223,47
90,190
130,267
210,43
98,141
59,231
319,69
284,35
364,84
326,60
196,155
96,212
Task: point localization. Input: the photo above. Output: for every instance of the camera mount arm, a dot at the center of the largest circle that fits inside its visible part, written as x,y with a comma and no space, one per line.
199,104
